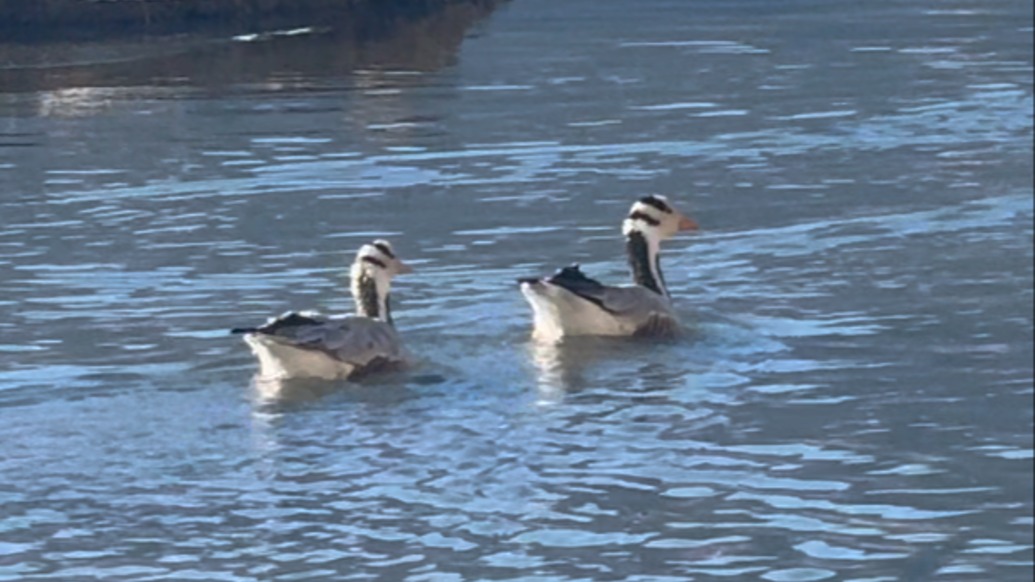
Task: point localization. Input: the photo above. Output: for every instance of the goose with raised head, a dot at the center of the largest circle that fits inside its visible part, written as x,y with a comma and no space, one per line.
570,303
306,344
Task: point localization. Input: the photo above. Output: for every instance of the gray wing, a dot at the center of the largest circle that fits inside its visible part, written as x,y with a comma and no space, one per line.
636,302
355,340
659,325
649,313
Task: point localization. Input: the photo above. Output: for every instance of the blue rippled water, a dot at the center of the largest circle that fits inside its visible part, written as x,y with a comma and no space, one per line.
853,402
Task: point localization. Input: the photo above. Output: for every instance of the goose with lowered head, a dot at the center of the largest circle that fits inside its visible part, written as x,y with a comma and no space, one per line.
306,344
570,303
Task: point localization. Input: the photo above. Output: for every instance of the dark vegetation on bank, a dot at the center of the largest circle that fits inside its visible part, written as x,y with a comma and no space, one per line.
43,20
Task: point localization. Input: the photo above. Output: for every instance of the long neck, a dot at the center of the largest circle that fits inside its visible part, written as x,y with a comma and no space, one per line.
643,259
370,301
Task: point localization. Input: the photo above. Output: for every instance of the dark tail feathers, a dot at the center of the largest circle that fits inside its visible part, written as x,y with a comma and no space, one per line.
572,272
573,279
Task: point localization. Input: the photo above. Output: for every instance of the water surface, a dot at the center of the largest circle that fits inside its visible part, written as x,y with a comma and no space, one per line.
853,402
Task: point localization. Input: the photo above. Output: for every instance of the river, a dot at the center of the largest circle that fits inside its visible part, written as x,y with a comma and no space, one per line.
853,400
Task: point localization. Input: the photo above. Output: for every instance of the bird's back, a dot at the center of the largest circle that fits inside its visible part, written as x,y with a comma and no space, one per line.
313,345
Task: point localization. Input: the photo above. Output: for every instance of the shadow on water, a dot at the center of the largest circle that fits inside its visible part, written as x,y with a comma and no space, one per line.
276,58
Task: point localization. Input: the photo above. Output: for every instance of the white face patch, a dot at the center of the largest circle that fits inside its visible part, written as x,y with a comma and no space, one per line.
643,218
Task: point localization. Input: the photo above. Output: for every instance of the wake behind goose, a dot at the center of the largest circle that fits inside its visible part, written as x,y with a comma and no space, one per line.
307,344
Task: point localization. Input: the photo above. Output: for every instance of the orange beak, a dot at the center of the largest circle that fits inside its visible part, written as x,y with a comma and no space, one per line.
687,223
403,268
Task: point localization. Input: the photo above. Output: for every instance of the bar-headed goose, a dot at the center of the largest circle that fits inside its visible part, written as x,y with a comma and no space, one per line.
570,303
306,344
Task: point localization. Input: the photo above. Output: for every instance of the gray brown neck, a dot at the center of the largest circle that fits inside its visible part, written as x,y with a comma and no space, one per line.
646,270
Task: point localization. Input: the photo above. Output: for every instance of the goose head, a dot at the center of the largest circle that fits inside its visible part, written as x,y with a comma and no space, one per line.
372,272
651,220
656,218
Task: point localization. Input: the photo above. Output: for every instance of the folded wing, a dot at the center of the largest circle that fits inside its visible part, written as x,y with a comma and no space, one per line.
358,341
651,314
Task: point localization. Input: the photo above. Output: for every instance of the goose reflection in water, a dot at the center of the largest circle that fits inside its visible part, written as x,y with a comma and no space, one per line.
559,371
270,391
581,363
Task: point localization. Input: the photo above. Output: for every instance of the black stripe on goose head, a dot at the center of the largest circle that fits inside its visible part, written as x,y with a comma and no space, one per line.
385,248
374,261
637,215
657,202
